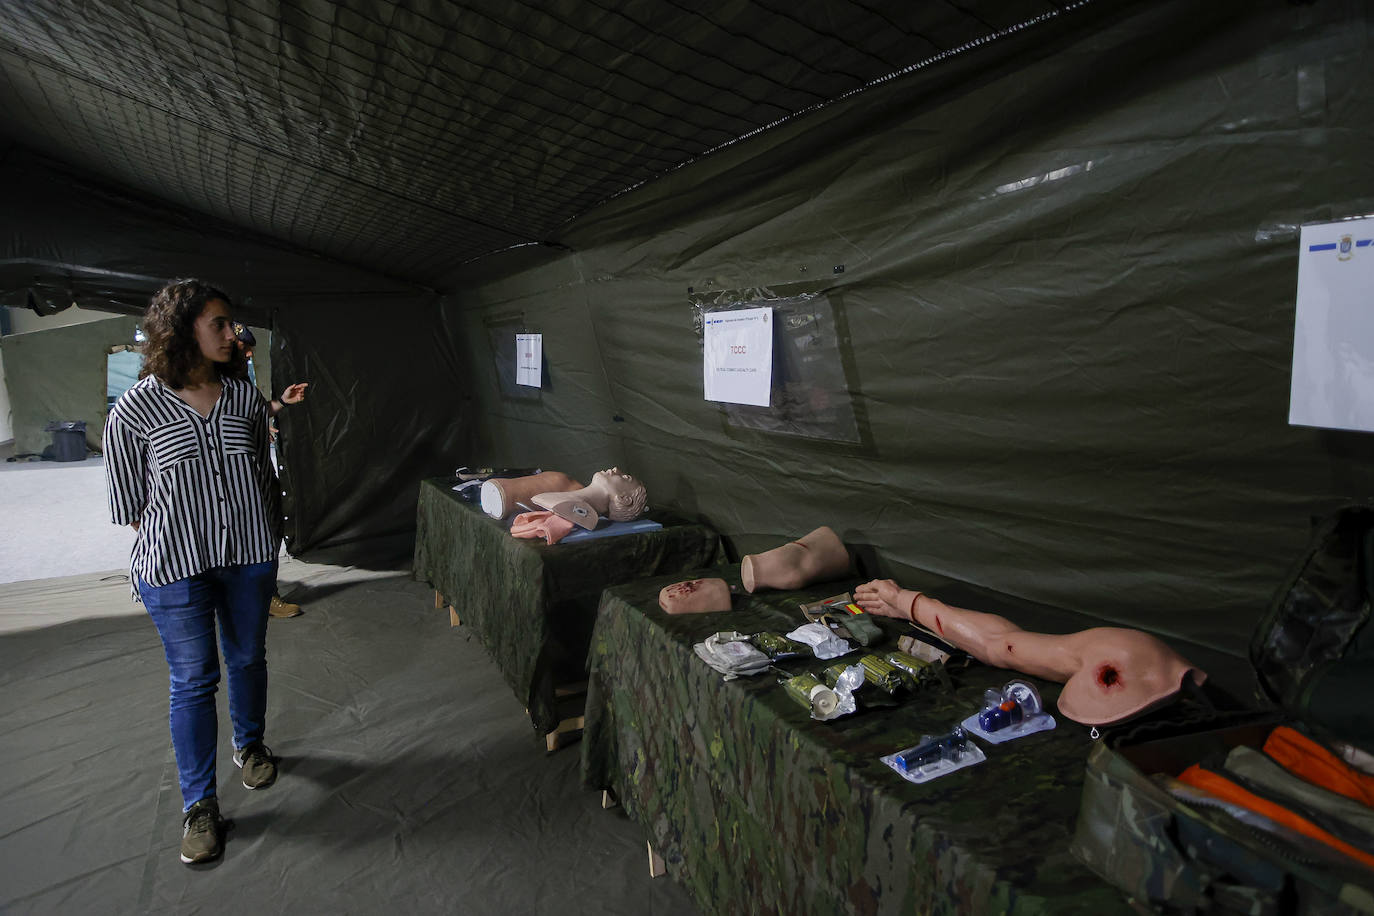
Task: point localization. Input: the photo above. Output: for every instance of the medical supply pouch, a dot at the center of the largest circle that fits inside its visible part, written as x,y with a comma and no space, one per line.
779,647
1313,652
849,621
858,625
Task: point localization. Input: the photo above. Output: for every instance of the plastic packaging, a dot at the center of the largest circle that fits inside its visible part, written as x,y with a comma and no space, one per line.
824,644
1013,712
815,610
882,674
933,757
916,667
731,654
778,647
923,650
466,473
823,702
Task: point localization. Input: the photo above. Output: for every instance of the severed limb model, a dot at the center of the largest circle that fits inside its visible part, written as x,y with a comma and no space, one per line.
612,493
1109,674
814,557
695,596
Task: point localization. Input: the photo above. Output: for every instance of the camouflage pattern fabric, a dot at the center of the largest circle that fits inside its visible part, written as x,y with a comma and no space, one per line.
758,809
1181,858
533,605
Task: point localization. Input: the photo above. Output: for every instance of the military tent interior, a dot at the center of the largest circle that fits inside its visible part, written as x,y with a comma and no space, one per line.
1047,254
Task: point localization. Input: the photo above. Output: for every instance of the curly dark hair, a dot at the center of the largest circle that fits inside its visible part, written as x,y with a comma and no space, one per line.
170,350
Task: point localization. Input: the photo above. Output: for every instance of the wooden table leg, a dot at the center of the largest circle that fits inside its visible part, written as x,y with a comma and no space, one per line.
552,741
656,866
571,690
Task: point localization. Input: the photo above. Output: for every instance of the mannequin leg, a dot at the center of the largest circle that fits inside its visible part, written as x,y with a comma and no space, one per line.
814,557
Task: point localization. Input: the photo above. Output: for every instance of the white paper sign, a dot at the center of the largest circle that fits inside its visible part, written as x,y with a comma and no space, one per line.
738,362
529,360
1333,334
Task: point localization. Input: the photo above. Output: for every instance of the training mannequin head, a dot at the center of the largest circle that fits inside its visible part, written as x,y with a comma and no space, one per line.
695,596
613,493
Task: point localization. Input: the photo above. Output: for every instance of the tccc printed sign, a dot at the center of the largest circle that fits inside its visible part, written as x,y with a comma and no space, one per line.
1333,329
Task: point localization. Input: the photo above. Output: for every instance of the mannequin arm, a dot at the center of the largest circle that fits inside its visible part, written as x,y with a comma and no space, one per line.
989,638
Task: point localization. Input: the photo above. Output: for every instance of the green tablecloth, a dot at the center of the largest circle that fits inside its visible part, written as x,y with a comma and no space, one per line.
533,605
757,808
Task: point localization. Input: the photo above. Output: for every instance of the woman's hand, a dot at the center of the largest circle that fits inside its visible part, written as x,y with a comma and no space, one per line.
294,394
880,597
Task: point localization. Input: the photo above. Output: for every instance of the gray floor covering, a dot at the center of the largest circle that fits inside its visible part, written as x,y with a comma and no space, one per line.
411,781
55,520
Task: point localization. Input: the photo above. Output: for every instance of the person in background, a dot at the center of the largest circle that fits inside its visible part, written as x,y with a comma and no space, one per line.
188,467
293,394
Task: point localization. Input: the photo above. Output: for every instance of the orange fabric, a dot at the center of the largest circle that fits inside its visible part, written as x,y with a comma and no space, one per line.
1227,790
1302,756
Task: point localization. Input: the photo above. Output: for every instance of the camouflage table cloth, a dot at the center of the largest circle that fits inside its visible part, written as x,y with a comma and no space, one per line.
533,605
756,808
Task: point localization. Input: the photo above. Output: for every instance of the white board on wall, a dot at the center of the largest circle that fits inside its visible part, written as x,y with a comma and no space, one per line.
737,366
529,360
1333,331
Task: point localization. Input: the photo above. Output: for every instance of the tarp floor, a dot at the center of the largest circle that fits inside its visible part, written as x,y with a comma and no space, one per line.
411,780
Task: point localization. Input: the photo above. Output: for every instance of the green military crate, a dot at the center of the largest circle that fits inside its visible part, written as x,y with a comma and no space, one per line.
1313,654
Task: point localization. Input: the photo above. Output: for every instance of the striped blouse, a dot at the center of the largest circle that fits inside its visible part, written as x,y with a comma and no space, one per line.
203,490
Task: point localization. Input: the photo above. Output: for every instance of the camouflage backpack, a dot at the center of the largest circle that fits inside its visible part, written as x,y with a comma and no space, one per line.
1314,650
1313,654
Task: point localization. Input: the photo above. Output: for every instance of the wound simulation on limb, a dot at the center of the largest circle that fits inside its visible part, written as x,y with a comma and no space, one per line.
1110,674
612,493
696,596
815,557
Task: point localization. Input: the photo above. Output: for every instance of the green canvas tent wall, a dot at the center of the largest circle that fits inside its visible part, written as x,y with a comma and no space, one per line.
76,239
1064,320
1047,268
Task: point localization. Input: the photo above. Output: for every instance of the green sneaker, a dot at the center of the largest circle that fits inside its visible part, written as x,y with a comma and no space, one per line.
258,765
202,832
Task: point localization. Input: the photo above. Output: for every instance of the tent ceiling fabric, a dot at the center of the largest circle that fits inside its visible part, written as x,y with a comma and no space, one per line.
412,137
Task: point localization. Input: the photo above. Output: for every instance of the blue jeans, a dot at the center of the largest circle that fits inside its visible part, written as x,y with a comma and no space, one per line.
184,613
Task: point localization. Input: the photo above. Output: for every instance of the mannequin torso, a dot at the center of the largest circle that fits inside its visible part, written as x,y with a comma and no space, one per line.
617,495
502,496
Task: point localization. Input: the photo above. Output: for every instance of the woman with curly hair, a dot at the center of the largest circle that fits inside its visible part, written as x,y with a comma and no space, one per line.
188,467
